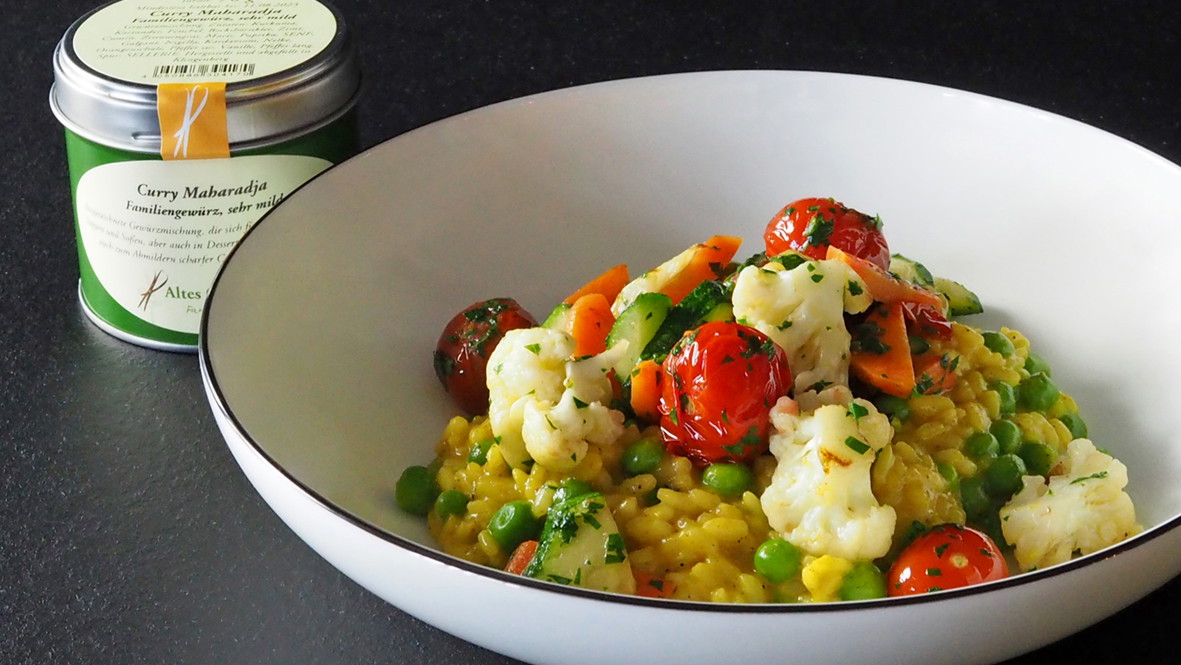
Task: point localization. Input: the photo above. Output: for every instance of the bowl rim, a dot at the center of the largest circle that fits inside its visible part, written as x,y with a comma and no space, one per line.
223,411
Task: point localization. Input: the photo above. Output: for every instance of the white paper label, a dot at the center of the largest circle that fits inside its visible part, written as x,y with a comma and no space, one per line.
157,41
156,232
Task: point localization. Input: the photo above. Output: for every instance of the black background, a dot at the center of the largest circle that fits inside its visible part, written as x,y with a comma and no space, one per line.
127,532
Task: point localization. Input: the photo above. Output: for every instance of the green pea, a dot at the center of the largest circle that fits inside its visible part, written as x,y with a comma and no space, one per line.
998,343
652,497
1002,478
1074,423
863,582
643,456
982,445
1035,364
990,524
728,479
415,490
1037,393
450,502
1007,434
950,475
1039,458
974,498
1008,397
570,488
777,560
890,405
479,451
513,524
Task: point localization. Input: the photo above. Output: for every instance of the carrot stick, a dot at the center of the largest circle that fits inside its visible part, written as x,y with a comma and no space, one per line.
883,286
589,322
646,388
519,561
610,283
892,370
708,260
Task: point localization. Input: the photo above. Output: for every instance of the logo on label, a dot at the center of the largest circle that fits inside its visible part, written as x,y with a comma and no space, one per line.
190,118
156,285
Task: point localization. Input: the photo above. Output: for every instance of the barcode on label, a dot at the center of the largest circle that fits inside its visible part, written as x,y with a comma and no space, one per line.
204,69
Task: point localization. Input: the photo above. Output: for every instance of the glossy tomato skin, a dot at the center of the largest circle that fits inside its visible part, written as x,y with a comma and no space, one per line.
461,355
948,556
926,321
720,382
810,225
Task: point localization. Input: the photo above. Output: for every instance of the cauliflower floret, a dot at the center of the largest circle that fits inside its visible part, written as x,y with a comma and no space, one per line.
1083,508
545,406
803,311
820,497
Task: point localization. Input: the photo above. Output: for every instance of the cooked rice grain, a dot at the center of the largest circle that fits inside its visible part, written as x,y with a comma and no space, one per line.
702,544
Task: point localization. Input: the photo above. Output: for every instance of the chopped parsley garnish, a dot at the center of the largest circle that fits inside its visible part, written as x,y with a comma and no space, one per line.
616,549
867,337
819,230
1094,476
591,520
749,440
790,260
857,445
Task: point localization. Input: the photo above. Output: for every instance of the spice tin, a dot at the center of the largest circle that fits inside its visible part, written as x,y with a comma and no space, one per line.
185,121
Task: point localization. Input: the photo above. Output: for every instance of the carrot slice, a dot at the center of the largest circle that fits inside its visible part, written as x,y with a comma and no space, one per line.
519,561
610,283
934,373
891,370
646,387
707,262
589,322
651,586
883,286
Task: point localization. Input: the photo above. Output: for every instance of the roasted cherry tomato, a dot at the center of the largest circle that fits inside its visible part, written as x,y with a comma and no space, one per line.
720,383
926,321
461,355
946,557
811,225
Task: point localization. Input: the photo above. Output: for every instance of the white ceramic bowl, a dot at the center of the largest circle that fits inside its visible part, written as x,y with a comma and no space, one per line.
316,347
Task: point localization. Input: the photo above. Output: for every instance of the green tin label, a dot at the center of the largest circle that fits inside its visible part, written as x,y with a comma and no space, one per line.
153,234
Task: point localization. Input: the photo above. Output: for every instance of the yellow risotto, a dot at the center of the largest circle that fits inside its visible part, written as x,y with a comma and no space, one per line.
801,427
680,531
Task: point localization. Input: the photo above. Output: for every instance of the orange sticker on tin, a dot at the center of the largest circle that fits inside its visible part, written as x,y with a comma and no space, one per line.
192,120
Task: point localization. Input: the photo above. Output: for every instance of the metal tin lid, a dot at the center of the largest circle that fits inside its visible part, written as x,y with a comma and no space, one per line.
306,82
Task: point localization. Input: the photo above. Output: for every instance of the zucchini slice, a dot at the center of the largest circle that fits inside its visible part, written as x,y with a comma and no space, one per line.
686,315
580,545
638,325
960,300
911,270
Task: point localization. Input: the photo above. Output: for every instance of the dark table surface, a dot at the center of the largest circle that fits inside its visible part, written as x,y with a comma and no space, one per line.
127,532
